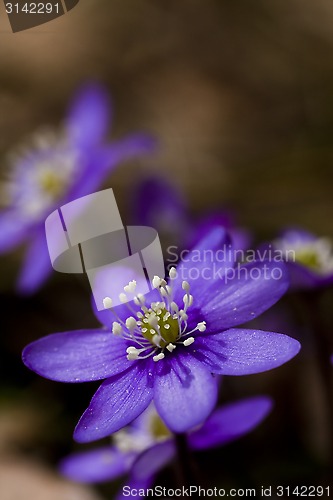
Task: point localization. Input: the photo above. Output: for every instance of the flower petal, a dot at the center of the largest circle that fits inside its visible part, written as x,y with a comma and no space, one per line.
230,422
13,230
244,294
37,265
99,163
243,352
88,117
153,459
185,392
117,402
78,356
204,266
95,466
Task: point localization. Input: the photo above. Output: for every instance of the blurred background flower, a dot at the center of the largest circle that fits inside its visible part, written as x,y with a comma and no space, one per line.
58,168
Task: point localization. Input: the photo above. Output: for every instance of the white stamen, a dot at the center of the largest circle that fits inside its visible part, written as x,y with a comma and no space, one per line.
188,341
167,326
186,286
130,288
157,282
117,329
159,357
166,316
132,353
188,300
171,347
156,340
131,323
174,307
201,326
123,298
173,273
107,303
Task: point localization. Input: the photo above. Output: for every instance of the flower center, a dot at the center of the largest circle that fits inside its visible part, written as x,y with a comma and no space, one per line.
161,323
316,255
51,183
41,174
158,328
149,429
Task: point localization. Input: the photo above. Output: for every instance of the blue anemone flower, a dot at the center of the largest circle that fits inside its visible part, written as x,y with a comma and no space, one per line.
58,168
166,346
309,258
142,449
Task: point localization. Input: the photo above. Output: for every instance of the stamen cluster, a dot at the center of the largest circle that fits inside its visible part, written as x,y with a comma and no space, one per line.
156,328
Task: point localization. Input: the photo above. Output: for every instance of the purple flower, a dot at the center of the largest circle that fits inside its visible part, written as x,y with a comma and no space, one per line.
145,447
167,344
309,258
158,203
62,166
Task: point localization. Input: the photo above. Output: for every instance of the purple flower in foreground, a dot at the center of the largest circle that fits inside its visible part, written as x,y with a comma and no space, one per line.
309,258
144,448
167,344
61,167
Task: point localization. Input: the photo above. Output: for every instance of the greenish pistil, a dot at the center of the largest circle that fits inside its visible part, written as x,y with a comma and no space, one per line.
309,259
162,324
51,183
158,428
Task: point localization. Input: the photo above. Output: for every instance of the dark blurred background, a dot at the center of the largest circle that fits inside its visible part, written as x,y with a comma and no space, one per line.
240,96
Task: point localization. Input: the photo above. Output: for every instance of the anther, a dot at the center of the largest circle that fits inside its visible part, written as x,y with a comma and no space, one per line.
201,326
130,288
188,341
173,273
171,347
107,303
159,356
131,323
117,328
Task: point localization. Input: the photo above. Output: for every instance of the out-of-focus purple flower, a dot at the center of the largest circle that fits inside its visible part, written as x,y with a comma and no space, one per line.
309,258
146,446
58,168
167,344
158,203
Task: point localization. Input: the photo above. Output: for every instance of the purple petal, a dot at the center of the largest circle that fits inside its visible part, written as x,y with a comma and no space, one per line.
240,237
117,402
230,422
302,277
88,117
204,266
152,460
243,352
37,265
13,230
99,164
244,294
133,486
185,392
79,356
295,235
95,466
158,203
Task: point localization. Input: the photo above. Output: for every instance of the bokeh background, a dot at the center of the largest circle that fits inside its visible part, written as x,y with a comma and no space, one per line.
240,97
